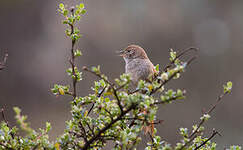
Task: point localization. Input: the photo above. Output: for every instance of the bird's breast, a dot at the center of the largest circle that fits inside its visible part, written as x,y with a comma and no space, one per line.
139,69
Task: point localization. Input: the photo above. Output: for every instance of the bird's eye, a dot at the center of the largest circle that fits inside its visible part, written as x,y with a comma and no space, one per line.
129,51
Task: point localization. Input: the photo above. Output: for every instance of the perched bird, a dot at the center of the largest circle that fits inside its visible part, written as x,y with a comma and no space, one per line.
138,64
139,67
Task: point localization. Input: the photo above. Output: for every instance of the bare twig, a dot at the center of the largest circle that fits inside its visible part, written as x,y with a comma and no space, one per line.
213,134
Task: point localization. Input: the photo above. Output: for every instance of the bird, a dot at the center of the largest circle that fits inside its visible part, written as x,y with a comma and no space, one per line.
138,65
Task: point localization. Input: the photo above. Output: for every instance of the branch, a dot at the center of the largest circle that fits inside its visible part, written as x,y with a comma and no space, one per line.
183,52
193,134
6,121
72,60
109,83
3,63
172,76
4,118
98,135
167,101
152,139
99,94
213,134
84,133
5,146
209,112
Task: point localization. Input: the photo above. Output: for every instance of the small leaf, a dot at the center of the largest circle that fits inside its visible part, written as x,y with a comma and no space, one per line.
61,91
83,11
61,6
81,5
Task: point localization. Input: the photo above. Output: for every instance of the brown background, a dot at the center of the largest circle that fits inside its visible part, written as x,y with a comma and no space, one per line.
32,32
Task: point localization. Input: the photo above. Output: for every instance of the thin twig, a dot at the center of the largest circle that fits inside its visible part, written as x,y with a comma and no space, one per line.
109,114
99,94
167,101
91,129
72,60
183,52
114,90
172,76
209,112
6,121
194,132
84,131
213,134
152,139
4,118
5,146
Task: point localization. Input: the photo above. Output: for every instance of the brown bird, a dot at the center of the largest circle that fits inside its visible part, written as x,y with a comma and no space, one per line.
139,67
138,64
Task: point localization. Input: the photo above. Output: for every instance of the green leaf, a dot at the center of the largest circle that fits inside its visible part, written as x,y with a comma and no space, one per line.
61,6
77,53
48,126
65,12
157,67
228,87
81,5
83,11
17,110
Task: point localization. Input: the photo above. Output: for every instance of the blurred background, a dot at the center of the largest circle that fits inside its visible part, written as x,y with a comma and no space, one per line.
32,33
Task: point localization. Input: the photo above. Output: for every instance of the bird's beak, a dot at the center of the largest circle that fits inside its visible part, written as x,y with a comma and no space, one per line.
121,53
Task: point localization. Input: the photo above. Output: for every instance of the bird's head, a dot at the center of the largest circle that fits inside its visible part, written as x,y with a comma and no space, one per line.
133,52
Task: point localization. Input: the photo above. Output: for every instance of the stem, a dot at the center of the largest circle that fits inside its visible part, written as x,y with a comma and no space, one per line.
72,60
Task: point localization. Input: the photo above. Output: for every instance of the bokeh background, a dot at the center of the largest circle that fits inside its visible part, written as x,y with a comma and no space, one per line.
32,33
